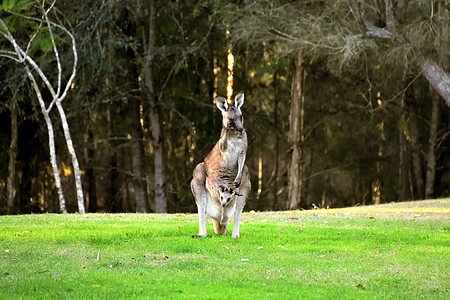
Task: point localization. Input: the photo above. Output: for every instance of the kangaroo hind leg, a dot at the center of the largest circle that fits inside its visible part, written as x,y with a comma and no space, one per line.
199,191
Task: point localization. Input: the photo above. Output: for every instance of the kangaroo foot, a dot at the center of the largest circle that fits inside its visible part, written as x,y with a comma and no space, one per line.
220,228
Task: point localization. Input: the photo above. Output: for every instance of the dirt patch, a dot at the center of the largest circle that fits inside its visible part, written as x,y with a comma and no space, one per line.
438,209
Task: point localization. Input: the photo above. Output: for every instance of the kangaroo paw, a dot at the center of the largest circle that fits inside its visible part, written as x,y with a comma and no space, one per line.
196,236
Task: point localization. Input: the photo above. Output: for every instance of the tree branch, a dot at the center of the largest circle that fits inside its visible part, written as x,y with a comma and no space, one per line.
25,59
55,96
52,37
438,78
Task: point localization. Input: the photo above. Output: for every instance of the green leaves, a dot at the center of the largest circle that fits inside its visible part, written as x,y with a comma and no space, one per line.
43,41
16,5
9,4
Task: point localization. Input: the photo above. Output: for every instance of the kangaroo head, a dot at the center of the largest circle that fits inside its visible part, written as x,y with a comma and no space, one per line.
231,113
226,194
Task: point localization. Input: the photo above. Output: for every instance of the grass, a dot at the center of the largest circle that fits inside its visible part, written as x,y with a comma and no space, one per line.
291,255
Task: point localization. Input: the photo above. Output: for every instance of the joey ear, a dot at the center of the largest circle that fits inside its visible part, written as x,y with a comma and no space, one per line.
239,100
221,103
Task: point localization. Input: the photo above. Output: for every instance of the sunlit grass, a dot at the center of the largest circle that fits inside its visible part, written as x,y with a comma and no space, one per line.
279,255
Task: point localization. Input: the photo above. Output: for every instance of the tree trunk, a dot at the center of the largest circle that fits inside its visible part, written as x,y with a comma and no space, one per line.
376,184
113,202
438,78
156,128
277,146
431,154
158,147
76,166
91,189
390,12
51,142
403,170
13,150
138,157
296,133
415,144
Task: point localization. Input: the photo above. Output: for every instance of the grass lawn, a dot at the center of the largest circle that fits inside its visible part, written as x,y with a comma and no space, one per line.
359,254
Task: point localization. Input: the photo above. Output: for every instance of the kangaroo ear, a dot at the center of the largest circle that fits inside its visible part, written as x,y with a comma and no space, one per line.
221,103
239,100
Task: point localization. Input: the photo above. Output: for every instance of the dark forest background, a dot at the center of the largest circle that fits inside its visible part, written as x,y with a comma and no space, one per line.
340,107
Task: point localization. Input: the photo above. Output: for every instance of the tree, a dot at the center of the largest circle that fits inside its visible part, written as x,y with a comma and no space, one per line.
149,41
365,127
21,56
296,137
401,38
137,156
13,150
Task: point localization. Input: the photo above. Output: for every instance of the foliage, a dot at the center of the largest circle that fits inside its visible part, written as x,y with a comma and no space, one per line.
295,255
360,95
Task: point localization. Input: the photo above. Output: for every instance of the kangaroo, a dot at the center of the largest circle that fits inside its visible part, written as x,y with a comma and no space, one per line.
223,173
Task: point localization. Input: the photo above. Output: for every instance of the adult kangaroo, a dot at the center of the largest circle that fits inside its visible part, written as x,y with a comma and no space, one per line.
223,173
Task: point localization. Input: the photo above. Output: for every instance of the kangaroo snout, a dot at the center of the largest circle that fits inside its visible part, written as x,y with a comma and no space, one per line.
235,127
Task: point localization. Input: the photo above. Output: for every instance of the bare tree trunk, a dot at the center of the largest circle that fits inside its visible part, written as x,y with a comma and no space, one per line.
277,150
415,144
51,142
91,190
296,133
376,184
431,154
402,151
13,150
76,166
390,12
438,78
443,88
156,128
158,147
137,157
58,95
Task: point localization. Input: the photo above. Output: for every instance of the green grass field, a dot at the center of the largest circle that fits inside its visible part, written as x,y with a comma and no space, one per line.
290,255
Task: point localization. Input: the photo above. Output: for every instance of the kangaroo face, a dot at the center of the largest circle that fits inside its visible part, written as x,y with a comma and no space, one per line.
226,194
231,114
233,119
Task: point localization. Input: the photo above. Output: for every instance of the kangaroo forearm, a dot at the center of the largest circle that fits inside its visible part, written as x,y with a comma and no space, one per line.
241,162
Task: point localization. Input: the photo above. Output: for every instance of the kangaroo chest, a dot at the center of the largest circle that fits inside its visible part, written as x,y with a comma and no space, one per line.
222,161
